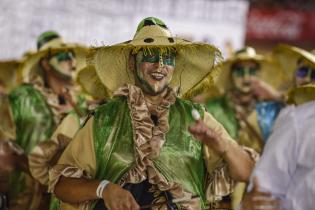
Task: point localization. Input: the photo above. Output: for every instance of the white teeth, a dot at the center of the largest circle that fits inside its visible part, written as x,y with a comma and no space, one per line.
157,75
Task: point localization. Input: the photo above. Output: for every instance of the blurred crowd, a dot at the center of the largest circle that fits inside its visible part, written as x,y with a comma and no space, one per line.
265,103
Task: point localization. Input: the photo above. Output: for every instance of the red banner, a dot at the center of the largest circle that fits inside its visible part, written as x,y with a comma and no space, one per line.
280,25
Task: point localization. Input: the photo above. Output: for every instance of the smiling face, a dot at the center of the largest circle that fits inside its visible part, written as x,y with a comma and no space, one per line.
243,72
154,70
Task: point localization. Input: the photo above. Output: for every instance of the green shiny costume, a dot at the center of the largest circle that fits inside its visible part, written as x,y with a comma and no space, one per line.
223,111
32,115
181,158
34,121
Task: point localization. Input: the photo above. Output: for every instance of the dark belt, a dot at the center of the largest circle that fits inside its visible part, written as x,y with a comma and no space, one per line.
143,197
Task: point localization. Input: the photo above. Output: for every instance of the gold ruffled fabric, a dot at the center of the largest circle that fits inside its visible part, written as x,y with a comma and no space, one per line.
220,183
51,99
149,139
59,111
7,125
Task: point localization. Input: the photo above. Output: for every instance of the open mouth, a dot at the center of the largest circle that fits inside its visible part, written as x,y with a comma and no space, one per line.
157,76
246,84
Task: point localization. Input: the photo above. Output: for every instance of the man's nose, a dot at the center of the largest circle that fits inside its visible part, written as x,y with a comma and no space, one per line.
72,64
246,77
159,65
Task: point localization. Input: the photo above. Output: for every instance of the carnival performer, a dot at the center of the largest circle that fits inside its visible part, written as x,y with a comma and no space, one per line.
137,150
283,178
39,105
297,63
250,102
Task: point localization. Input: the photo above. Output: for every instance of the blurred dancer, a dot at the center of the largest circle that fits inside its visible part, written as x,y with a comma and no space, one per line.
250,102
298,64
39,105
284,176
8,71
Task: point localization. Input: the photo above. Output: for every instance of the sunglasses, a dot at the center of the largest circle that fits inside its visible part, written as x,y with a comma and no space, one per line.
241,71
305,71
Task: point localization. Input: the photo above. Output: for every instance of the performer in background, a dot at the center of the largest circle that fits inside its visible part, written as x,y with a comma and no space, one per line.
283,179
39,105
250,101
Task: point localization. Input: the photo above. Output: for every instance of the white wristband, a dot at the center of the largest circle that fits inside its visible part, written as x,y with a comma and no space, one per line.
195,114
101,187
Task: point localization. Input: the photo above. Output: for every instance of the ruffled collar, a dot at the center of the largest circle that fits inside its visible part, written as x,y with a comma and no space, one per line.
59,111
147,134
149,138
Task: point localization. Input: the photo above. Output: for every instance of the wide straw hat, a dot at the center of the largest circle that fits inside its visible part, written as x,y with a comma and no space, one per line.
270,70
194,61
288,57
302,94
91,83
49,43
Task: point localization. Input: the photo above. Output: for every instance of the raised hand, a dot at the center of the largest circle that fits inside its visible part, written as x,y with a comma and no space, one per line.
264,91
258,200
209,137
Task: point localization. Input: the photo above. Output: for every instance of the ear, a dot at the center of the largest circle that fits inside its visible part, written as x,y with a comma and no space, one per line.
131,63
45,64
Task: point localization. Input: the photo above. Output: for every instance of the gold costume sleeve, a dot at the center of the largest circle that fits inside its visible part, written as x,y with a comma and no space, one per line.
219,182
7,125
78,159
46,153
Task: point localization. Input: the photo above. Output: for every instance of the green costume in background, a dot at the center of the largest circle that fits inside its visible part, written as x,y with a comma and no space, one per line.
35,122
37,111
265,113
33,117
249,123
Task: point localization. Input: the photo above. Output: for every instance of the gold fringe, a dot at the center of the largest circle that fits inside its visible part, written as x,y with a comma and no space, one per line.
148,48
90,56
206,84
